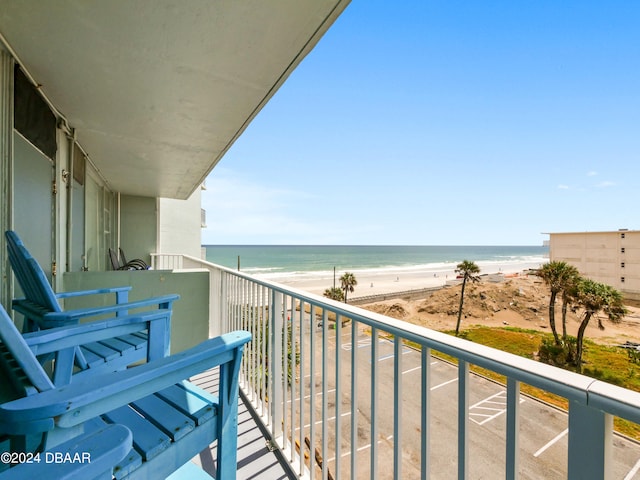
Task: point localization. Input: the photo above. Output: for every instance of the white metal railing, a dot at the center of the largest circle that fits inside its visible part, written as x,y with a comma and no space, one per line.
347,393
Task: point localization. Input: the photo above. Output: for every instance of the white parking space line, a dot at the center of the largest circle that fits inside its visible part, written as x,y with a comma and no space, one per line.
412,369
633,471
417,368
443,384
489,408
391,355
360,449
345,414
558,437
309,396
364,343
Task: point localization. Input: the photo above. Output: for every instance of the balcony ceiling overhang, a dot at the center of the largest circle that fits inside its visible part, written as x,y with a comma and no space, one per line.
157,91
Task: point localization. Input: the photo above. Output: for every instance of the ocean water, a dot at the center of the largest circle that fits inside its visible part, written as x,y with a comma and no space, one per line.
279,261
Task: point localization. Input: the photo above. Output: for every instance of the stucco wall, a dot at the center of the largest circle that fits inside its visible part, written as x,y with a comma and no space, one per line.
138,226
608,257
190,319
179,225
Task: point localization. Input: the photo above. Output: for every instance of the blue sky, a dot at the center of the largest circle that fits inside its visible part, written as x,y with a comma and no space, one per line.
444,123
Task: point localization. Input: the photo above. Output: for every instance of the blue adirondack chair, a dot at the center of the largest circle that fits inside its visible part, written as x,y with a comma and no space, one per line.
41,309
170,419
105,447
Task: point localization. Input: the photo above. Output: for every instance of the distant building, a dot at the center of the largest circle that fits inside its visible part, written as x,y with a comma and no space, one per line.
608,257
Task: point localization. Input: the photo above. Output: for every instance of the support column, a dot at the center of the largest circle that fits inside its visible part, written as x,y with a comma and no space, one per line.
6,170
590,443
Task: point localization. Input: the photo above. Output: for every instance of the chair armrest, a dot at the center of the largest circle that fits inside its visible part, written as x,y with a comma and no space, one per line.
75,403
56,319
55,339
96,453
119,291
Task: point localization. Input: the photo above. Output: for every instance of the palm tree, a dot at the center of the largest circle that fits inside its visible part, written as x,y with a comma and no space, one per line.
594,297
557,275
334,293
569,296
348,282
469,270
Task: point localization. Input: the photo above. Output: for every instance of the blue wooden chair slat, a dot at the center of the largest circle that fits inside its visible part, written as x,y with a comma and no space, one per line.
126,468
93,455
129,463
119,345
144,398
198,405
42,310
164,416
133,340
19,382
102,351
91,360
15,344
149,440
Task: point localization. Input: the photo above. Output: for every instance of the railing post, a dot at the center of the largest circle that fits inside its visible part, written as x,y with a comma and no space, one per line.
374,403
325,395
218,303
216,299
397,407
463,419
425,416
590,442
513,427
354,399
338,397
275,357
312,391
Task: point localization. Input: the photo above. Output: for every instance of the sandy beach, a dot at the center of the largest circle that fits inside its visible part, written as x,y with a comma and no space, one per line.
518,300
376,282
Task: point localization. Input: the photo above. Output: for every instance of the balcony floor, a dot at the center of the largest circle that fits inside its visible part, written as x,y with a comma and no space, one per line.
255,461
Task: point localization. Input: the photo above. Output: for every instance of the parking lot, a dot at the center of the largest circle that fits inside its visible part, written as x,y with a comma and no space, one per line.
542,432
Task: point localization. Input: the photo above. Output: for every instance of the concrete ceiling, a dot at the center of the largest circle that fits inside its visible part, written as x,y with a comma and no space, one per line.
158,90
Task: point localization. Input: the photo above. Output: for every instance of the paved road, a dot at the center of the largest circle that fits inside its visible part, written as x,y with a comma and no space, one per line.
543,429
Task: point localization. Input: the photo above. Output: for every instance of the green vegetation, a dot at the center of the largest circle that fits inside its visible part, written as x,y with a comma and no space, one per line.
561,278
609,364
334,293
594,297
469,271
256,320
348,282
577,292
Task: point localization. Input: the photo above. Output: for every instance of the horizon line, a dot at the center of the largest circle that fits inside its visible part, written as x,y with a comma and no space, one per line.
357,245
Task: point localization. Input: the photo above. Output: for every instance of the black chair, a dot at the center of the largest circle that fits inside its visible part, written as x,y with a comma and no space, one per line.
135,264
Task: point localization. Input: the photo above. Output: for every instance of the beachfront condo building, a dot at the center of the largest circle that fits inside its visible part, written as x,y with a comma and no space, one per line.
112,114
610,257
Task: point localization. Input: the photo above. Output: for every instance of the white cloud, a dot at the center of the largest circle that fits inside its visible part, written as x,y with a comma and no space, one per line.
605,184
592,173
241,211
563,187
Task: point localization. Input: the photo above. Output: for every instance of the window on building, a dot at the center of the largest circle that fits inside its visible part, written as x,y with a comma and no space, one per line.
621,279
622,235
621,264
622,250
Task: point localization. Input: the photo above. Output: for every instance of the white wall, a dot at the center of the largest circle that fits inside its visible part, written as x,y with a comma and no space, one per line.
179,225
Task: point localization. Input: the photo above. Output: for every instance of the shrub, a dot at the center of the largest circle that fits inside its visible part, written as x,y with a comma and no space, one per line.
558,355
